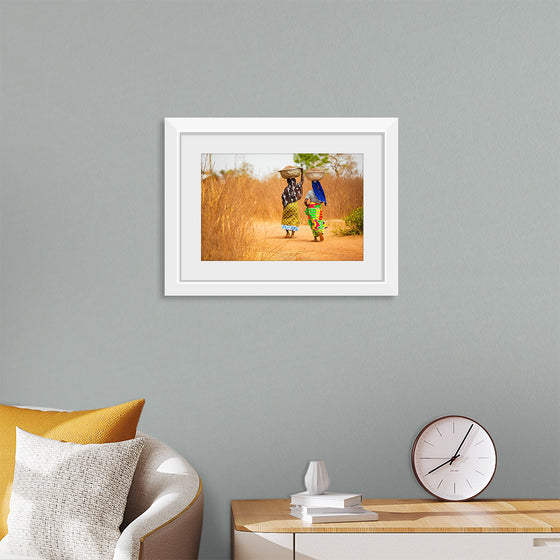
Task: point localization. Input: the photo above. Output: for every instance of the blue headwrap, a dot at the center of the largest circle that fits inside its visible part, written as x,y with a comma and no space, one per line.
319,192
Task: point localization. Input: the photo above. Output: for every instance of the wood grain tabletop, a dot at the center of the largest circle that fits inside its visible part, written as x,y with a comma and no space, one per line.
409,516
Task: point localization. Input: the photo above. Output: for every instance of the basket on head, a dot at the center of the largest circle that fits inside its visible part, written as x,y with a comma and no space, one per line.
290,172
315,174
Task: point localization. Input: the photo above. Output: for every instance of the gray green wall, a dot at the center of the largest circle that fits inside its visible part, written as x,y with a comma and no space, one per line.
250,389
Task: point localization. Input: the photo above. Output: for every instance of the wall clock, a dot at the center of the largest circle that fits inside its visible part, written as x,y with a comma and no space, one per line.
454,458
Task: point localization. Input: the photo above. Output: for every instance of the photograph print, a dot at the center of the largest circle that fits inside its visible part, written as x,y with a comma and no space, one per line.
282,207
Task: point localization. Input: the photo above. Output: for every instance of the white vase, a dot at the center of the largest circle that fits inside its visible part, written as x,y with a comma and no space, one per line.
316,478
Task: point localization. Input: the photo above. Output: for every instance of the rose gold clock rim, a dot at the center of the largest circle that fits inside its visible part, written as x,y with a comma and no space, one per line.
431,424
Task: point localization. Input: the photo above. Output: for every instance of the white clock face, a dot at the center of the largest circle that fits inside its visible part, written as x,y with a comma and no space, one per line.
454,458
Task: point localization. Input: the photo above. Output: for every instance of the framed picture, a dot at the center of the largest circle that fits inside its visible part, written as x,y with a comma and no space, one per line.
281,206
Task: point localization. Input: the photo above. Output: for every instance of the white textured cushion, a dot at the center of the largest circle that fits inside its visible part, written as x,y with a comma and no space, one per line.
68,499
17,557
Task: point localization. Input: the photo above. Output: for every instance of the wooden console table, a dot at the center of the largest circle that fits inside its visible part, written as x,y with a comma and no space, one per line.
406,529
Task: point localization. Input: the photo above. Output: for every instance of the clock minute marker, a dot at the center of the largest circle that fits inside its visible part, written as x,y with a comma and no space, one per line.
479,472
429,443
479,442
438,432
468,482
440,483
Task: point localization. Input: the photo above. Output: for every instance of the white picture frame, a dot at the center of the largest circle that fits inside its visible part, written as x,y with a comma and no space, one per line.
187,138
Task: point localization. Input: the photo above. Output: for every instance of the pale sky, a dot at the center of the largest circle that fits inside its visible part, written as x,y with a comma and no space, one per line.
263,164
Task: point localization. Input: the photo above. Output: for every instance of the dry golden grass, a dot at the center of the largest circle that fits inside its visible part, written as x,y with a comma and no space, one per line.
232,205
226,233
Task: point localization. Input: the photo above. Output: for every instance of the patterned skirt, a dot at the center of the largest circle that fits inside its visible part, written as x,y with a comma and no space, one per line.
315,214
290,217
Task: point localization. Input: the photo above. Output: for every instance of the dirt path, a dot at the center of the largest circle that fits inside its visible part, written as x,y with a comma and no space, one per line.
303,248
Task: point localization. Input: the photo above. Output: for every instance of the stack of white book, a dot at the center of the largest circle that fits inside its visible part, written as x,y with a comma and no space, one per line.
330,507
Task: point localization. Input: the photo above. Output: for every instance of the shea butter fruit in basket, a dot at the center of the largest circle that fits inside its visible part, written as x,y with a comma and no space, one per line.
290,172
314,174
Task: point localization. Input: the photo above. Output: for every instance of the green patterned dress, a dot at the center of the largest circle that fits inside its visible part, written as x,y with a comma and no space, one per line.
314,212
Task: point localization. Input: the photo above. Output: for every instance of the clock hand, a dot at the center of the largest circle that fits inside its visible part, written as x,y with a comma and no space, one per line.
456,455
461,445
443,464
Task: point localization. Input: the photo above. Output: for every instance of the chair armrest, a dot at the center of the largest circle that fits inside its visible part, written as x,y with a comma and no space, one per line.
161,532
163,517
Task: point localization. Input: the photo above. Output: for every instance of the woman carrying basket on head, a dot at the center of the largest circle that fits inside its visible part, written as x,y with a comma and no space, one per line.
291,194
314,200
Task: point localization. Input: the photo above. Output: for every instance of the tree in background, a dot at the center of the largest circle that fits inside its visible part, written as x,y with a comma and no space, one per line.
343,165
307,161
243,169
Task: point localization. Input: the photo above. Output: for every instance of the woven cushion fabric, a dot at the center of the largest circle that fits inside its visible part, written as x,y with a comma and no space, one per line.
104,425
16,557
68,499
